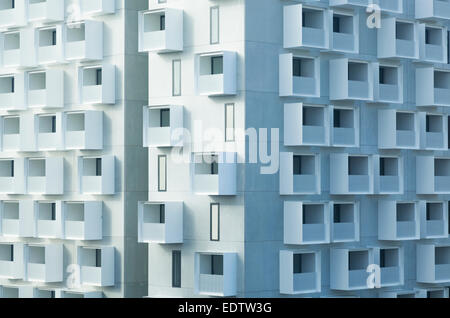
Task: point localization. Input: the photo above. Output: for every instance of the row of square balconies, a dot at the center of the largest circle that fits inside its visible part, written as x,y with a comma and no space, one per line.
45,176
31,291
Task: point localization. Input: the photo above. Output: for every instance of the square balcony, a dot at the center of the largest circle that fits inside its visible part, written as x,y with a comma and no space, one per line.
300,272
432,175
398,129
83,221
214,173
83,130
306,125
29,291
432,87
17,218
12,92
216,74
349,3
46,89
392,265
398,39
49,132
398,221
433,130
435,10
160,223
9,291
44,263
433,43
345,222
97,7
96,175
97,84
345,33
392,6
351,80
345,123
433,293
12,261
299,76
389,177
45,10
401,294
84,41
389,83
351,174
162,125
348,268
299,173
49,43
161,30
306,223
433,220
49,219
97,265
46,176
10,49
10,133
215,274
12,176
12,14
433,263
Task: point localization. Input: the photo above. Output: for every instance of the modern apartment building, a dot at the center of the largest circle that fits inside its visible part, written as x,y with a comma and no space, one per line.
360,99
72,165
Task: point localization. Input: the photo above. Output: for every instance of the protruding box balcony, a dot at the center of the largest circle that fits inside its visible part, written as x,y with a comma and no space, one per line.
9,291
433,43
398,129
78,294
83,220
306,223
17,218
299,76
44,263
214,173
398,39
351,174
46,176
433,130
160,222
432,87
348,268
97,84
161,30
215,274
388,83
351,80
49,132
433,263
389,176
84,41
12,14
97,175
49,219
12,261
433,292
45,10
97,7
217,74
436,10
12,176
306,27
50,47
299,173
306,125
392,265
401,294
30,291
10,49
345,32
392,6
97,265
83,130
398,221
10,133
432,175
46,89
12,92
345,222
434,219
349,3
28,132
300,272
162,126
344,126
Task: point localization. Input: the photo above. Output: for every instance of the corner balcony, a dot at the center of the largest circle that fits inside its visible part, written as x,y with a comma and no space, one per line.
49,132
432,175
97,84
12,92
162,125
83,220
398,39
12,261
391,262
44,263
12,14
345,33
433,44
435,10
160,223
344,127
398,129
214,173
97,7
215,274
10,133
96,175
349,3
49,220
433,220
84,130
432,87
50,48
351,174
97,265
12,176
390,176
345,222
351,80
84,41
299,76
299,174
46,89
46,176
300,272
433,263
389,83
161,30
45,10
216,74
433,131
306,223
398,221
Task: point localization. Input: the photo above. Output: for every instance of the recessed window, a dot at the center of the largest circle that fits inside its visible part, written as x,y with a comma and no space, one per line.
47,124
433,36
162,173
343,118
176,77
388,75
433,123
388,167
7,85
303,165
303,67
434,211
214,25
162,22
358,260
342,24
404,31
304,263
164,117
214,222
176,269
6,168
216,65
229,122
217,265
358,166
343,213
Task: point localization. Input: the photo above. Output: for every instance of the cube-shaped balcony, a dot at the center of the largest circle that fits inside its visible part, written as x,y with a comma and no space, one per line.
433,293
306,223
214,173
29,291
345,33
351,174
401,294
436,10
216,75
49,219
97,265
17,218
344,126
78,294
161,30
432,175
46,89
12,261
84,41
97,7
345,222
434,220
49,43
398,38
12,92
28,132
348,268
398,129
45,10
160,222
388,83
433,43
299,173
46,175
83,220
10,53
96,175
12,176
306,125
389,176
300,272
9,291
351,80
97,84
12,14
44,263
398,221
433,263
392,6
349,3
215,274
433,130
49,132
162,124
391,262
299,76
10,133
432,87
83,130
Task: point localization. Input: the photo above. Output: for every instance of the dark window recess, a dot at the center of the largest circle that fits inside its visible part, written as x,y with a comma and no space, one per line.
303,19
53,124
336,213
98,167
176,269
297,67
214,168
164,118
382,165
98,76
382,81
336,25
297,263
54,37
162,214
53,207
13,4
12,168
98,258
427,36
427,123
162,23
216,65
382,258
52,294
216,264
12,253
336,118
12,85
297,165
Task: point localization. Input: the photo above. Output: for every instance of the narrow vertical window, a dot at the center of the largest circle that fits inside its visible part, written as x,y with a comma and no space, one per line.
98,76
214,25
54,37
382,166
297,165
12,85
12,253
297,67
217,264
229,122
176,269
336,213
53,124
162,214
53,210
162,22
98,258
176,77
336,24
98,167
162,173
165,118
12,168
215,222
216,65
